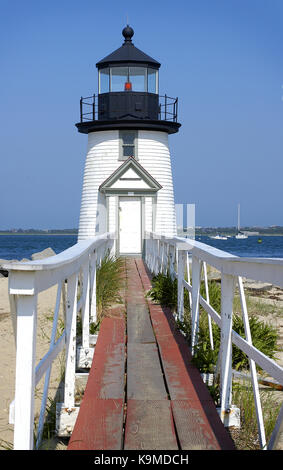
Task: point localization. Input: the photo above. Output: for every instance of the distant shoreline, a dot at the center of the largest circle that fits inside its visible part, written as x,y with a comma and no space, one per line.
183,233
32,233
234,234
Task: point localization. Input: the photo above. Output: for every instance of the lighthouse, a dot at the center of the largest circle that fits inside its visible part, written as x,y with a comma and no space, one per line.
127,183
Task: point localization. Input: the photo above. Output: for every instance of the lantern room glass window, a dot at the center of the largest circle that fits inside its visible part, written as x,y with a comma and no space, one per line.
152,81
137,78
104,80
117,79
119,76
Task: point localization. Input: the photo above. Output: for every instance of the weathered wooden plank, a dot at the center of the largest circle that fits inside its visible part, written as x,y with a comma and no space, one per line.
100,421
149,425
106,378
144,274
113,332
99,425
179,379
139,326
164,325
144,374
192,426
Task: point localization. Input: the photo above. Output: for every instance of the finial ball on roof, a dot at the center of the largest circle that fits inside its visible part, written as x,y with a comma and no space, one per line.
128,33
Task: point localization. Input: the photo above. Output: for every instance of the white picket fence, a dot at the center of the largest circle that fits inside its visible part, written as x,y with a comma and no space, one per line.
185,256
74,272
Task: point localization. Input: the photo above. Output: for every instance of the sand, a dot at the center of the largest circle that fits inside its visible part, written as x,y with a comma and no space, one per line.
46,304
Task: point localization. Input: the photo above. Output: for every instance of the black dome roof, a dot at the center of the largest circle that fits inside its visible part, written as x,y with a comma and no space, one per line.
128,53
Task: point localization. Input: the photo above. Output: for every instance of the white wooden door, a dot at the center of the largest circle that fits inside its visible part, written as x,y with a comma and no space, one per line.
129,225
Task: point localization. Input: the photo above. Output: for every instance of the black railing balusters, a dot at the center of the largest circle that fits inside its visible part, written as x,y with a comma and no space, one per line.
167,108
165,117
176,110
81,108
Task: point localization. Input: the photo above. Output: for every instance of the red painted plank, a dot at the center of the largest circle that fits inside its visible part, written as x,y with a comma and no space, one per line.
99,426
112,331
199,427
193,427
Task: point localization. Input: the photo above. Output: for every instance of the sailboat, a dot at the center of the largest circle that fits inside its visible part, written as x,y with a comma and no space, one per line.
240,235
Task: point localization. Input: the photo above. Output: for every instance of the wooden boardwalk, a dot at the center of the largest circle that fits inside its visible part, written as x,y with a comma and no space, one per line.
143,391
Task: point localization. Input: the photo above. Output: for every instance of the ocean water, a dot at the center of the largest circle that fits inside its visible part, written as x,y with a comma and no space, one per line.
270,247
23,246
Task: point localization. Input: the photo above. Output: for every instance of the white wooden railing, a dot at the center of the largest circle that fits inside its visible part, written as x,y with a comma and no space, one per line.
177,254
26,281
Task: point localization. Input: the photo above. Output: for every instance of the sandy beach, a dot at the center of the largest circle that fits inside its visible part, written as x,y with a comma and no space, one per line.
270,297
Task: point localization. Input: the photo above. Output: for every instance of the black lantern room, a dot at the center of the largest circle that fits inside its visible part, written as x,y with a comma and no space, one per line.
128,94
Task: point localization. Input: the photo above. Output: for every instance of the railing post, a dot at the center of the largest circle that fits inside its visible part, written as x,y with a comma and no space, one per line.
227,295
93,260
152,251
196,272
48,372
189,279
86,306
156,256
181,268
161,254
252,364
171,260
207,299
25,372
71,318
149,251
146,249
81,109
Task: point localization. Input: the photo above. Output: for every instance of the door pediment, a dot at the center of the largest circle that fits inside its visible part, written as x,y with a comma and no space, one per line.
130,176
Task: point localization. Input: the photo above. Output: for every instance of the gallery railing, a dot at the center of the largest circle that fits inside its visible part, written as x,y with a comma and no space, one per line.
167,108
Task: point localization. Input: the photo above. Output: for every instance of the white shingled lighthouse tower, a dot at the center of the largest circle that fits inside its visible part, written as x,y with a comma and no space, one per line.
127,184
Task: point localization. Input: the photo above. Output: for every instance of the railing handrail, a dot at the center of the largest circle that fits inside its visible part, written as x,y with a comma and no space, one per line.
216,252
162,253
271,268
68,256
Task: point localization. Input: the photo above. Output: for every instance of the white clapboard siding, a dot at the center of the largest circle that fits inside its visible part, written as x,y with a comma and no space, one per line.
112,212
148,214
102,160
154,156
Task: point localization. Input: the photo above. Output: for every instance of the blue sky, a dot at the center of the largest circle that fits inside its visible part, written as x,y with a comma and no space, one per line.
222,58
